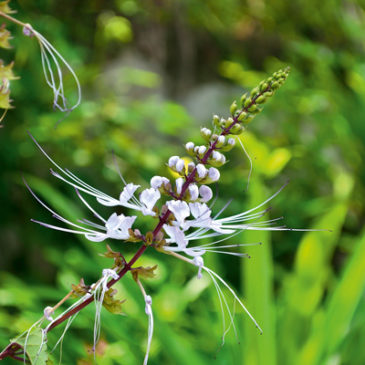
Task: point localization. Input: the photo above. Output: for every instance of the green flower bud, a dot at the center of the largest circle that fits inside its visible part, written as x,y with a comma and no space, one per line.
230,121
261,99
221,140
228,145
255,91
236,129
243,99
217,159
206,133
242,116
233,107
247,102
253,108
275,85
263,86
190,148
248,119
216,120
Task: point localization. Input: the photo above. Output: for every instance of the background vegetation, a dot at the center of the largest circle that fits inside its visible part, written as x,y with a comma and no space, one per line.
152,73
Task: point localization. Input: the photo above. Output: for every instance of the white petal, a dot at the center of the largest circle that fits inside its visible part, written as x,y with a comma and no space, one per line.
113,221
177,235
97,237
149,197
127,193
199,210
180,210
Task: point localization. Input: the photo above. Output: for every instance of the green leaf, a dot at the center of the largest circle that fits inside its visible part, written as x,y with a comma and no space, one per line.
4,7
111,304
35,346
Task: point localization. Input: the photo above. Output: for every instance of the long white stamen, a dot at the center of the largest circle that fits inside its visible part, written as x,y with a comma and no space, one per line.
148,310
90,208
235,296
58,91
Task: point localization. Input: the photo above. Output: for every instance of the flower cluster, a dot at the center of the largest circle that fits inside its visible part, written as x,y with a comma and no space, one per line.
180,207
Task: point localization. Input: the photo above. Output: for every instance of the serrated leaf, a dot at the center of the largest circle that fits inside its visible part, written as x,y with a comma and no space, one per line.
6,72
147,272
80,289
5,100
117,256
4,7
5,36
35,346
111,304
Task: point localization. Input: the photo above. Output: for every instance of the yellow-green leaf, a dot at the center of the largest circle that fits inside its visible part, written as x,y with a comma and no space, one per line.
4,7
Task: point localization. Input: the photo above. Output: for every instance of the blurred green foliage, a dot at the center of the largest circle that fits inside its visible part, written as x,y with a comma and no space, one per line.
152,73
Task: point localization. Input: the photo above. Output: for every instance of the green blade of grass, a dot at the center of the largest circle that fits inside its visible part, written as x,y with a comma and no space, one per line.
257,279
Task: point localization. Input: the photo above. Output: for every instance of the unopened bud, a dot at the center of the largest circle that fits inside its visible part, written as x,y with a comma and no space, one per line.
190,147
241,116
193,192
179,184
157,181
243,99
180,165
201,151
205,193
261,99
213,174
173,160
233,107
236,129
191,167
216,120
229,145
220,141
201,171
206,133
247,102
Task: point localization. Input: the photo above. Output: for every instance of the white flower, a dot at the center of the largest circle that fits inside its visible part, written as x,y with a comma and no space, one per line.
180,209
205,193
176,236
117,226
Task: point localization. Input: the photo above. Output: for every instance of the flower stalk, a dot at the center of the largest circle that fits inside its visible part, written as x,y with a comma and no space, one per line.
184,218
